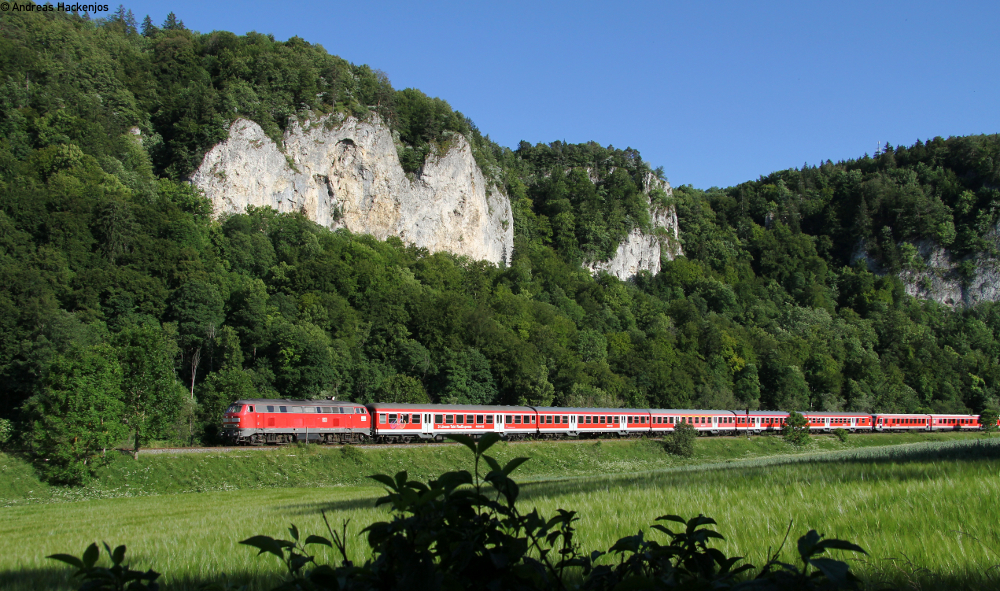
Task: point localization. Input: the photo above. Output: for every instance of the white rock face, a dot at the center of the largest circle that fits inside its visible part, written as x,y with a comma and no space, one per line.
347,175
940,279
640,251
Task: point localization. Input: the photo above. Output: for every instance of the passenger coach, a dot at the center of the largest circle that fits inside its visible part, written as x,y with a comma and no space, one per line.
402,423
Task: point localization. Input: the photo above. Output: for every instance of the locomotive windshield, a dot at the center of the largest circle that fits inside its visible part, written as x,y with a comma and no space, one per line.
234,408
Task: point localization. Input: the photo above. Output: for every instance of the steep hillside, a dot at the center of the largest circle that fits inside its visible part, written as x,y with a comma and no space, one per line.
137,305
927,213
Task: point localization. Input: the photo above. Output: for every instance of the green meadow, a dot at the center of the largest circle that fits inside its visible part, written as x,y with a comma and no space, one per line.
924,506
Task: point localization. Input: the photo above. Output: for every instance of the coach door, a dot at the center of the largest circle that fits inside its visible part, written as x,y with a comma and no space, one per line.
426,426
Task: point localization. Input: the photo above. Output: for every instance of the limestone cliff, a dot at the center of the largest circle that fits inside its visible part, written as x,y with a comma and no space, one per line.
640,251
937,276
346,174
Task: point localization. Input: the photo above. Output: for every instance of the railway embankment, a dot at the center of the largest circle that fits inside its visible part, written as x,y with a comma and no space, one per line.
313,466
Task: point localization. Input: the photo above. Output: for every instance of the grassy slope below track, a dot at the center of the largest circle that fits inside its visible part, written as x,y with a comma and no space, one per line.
320,466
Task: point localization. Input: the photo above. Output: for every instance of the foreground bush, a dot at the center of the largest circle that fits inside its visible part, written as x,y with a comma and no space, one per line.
796,430
465,531
681,441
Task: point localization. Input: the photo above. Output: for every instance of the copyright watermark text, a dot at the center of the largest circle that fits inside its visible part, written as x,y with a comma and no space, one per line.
49,7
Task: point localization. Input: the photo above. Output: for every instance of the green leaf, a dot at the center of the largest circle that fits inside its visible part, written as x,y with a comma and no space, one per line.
494,465
835,544
386,480
464,440
452,480
68,559
294,531
807,544
265,544
672,518
835,571
318,540
90,555
513,464
118,556
487,441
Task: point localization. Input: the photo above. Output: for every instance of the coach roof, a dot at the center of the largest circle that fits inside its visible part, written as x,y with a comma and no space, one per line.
453,408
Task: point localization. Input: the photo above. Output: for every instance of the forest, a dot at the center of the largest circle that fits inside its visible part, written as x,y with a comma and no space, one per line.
131,315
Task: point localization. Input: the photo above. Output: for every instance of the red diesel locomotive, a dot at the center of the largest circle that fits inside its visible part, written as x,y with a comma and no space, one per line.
265,421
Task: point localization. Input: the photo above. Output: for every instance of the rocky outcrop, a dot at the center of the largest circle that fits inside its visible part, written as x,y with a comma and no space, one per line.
937,276
640,251
346,174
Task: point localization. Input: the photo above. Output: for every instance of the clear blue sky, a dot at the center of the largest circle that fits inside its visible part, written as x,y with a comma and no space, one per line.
714,92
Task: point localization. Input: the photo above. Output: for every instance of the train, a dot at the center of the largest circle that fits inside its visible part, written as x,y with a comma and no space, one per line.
270,421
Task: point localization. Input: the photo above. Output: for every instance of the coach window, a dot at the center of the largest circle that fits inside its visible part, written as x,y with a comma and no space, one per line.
489,419
416,419
459,419
404,418
381,418
438,419
517,419
392,418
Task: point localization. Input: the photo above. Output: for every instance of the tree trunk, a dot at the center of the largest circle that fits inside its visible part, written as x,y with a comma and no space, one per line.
195,360
135,447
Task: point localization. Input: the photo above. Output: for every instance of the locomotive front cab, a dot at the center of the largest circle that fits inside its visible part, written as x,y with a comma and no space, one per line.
238,422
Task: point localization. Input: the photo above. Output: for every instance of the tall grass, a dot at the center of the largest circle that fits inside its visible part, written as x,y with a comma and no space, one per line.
317,466
926,512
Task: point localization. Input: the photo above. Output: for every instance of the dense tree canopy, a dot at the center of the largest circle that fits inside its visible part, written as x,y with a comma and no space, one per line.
122,294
